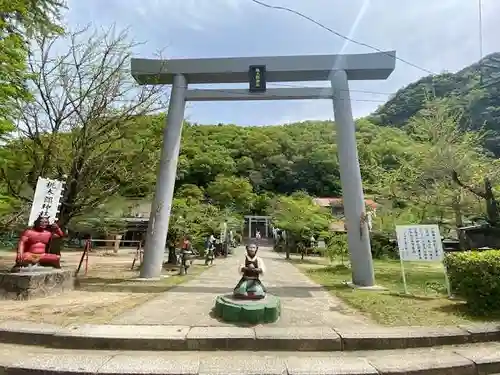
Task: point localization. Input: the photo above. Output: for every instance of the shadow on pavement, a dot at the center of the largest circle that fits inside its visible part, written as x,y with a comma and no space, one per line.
292,291
110,285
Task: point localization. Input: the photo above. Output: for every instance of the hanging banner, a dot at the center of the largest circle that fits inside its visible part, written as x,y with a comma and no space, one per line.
48,194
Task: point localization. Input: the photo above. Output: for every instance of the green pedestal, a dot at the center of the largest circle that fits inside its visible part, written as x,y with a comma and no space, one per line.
266,310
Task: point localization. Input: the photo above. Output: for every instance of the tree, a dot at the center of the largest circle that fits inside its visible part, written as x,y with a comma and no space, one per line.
196,219
231,191
473,90
20,20
107,219
300,218
425,179
487,193
82,125
207,163
262,203
190,192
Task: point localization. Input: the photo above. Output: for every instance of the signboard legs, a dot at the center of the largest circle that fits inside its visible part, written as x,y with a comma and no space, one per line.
403,274
405,284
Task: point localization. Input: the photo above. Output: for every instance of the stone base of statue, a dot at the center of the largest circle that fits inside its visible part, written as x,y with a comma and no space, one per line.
235,310
35,282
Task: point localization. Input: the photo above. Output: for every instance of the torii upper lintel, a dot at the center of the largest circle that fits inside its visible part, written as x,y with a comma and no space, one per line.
366,66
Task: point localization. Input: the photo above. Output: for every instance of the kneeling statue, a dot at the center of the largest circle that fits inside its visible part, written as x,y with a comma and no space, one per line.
33,248
250,286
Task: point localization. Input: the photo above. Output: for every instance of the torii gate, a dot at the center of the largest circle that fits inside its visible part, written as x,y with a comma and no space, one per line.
256,71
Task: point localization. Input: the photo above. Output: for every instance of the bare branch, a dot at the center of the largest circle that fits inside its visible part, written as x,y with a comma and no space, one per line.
84,115
473,190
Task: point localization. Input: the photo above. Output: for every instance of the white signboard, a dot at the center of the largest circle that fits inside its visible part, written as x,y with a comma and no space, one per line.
46,201
419,243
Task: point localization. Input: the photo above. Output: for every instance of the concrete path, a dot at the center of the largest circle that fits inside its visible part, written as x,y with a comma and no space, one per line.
304,303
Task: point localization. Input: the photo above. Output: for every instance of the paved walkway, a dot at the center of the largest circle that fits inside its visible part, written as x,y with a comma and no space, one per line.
304,303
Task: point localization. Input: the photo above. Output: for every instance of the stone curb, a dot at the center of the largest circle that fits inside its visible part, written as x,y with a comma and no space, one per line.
458,361
259,338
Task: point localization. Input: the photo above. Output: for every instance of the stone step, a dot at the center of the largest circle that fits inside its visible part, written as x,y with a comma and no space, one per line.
259,338
470,359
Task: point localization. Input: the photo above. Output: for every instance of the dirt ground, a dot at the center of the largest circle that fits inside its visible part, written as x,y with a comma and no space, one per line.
106,291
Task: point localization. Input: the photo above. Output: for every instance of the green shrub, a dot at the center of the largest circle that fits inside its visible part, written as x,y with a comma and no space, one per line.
475,276
336,247
199,244
382,246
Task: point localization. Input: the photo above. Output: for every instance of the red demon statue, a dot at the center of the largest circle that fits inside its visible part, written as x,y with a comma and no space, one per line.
33,248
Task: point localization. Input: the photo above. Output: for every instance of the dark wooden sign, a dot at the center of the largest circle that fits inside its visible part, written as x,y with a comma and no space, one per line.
257,78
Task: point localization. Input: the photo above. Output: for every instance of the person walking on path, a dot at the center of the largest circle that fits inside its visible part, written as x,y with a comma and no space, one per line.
210,250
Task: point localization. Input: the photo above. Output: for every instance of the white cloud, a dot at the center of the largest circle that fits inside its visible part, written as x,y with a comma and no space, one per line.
436,35
192,14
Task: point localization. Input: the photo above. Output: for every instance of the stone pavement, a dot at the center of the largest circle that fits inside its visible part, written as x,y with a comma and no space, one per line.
472,359
304,303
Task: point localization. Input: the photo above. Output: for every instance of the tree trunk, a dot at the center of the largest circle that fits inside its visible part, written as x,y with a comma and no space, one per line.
116,244
487,195
491,203
423,213
172,258
459,221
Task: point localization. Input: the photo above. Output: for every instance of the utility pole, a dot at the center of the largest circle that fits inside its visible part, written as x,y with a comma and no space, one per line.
480,18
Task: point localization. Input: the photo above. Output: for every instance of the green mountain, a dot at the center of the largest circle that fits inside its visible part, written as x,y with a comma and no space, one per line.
475,90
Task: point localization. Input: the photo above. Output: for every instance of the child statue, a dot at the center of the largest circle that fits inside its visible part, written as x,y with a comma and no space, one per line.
250,286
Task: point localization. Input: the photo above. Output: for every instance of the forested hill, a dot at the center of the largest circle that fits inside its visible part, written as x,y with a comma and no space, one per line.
474,89
274,159
235,167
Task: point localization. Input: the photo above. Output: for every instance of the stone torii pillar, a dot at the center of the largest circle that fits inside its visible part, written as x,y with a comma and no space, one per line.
165,183
350,178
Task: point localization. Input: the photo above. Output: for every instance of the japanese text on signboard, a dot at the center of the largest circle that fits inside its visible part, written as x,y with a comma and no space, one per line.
46,199
419,242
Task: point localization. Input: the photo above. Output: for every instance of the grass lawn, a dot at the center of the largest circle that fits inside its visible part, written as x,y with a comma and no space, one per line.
425,305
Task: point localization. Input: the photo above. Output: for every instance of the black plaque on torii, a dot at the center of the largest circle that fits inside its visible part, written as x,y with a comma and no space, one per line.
257,78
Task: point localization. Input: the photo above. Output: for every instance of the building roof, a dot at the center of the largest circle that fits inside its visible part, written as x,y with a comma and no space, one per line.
337,202
337,226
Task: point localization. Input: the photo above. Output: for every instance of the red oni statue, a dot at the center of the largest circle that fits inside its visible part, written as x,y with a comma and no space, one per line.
34,245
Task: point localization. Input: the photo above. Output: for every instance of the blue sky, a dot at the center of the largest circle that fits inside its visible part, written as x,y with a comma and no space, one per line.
438,35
